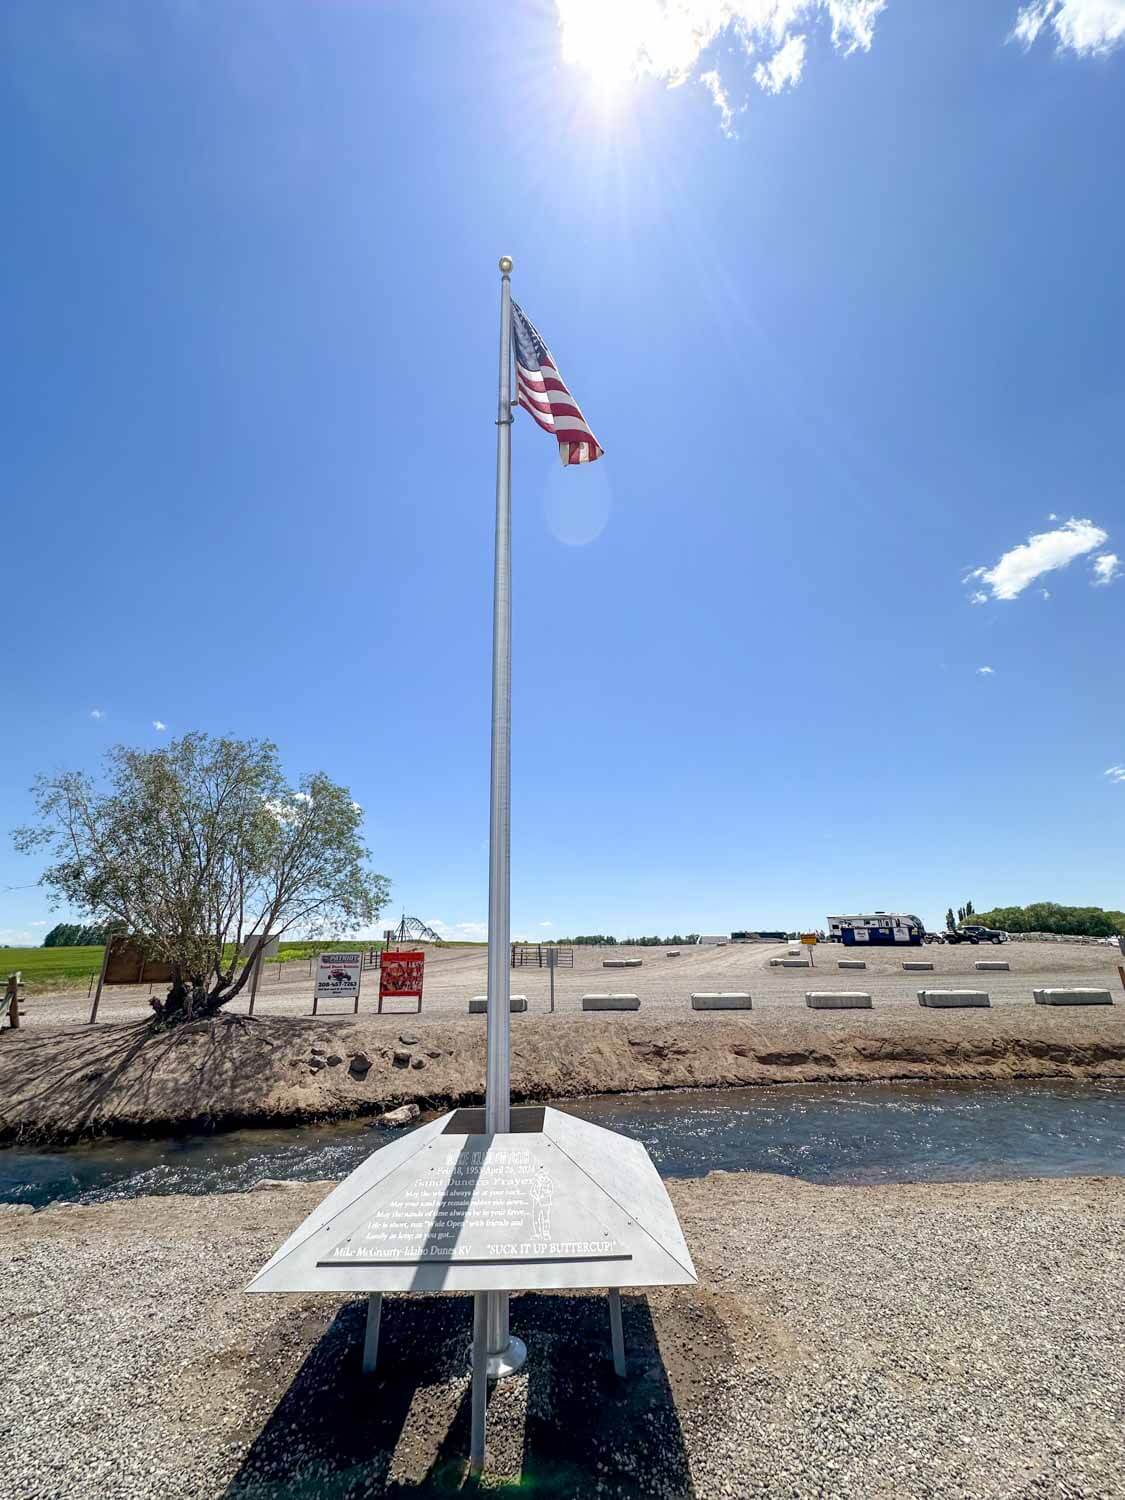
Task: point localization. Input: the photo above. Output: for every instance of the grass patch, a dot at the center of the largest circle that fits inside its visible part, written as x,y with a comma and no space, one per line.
70,968
45,966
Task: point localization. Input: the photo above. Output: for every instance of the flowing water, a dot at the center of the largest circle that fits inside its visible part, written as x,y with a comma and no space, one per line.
829,1134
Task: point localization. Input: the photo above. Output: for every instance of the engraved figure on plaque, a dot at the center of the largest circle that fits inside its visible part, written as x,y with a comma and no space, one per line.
541,1196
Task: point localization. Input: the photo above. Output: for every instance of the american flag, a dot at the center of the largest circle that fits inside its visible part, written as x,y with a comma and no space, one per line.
541,390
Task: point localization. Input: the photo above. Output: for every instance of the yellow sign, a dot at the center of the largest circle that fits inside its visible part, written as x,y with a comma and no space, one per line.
809,937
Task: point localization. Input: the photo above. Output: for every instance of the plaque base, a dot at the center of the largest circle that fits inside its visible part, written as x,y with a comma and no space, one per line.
507,1362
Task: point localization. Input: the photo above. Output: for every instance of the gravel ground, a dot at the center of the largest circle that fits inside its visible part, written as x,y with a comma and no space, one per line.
955,1340
454,975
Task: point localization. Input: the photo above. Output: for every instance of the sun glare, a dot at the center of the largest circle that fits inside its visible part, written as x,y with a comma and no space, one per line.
617,41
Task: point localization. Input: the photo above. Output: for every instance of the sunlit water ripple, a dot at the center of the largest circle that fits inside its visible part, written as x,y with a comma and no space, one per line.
828,1134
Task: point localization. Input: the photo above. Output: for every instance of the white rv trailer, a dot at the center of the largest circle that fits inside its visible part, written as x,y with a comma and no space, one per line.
878,927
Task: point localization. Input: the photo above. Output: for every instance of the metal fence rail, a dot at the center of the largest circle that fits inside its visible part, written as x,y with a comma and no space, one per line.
535,956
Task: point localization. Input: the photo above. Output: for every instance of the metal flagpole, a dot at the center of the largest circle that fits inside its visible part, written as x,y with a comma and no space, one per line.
505,1354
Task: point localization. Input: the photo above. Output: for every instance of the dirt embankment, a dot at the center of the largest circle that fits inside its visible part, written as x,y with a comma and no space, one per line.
60,1086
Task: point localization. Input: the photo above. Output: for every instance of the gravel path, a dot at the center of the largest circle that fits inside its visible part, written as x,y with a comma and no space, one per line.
959,1340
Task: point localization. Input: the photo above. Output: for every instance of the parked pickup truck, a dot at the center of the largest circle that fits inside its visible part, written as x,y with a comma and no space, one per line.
972,932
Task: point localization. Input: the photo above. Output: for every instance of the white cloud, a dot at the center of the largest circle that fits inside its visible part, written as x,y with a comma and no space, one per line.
39,924
1107,567
17,937
1088,28
617,41
1116,773
714,86
159,724
1051,516
546,924
97,713
784,68
1040,554
984,671
465,932
978,598
1046,593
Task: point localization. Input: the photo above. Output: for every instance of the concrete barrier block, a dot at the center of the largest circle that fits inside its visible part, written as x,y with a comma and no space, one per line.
721,1000
611,1002
953,999
852,963
622,963
1072,997
917,965
793,963
837,1000
992,965
478,1005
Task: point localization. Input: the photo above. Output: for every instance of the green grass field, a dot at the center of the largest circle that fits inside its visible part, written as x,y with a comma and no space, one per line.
43,967
66,968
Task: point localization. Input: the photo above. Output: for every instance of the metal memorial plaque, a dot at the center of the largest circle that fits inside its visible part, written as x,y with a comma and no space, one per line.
448,1208
486,1205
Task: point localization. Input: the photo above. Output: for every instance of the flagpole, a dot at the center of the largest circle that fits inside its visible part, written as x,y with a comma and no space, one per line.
497,1094
505,1354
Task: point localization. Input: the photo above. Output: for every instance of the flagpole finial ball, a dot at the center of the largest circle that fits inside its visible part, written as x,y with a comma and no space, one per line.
505,264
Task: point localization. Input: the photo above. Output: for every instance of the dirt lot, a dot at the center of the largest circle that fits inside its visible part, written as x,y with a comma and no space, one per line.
454,975
957,1340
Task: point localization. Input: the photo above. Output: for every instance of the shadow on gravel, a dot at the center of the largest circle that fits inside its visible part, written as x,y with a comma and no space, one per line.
562,1429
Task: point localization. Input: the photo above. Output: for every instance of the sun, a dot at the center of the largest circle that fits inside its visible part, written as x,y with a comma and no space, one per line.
605,39
618,41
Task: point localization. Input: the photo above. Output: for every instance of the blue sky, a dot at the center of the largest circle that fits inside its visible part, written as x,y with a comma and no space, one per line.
839,289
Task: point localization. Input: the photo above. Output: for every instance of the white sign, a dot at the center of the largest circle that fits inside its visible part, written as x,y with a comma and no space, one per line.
338,976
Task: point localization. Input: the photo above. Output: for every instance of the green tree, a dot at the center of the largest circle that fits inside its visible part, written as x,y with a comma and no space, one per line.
949,922
198,846
1048,916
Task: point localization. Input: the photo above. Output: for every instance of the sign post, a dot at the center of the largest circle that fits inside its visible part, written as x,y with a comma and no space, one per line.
810,940
552,965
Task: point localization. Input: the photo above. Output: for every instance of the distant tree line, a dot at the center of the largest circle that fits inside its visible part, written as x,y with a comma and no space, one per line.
75,935
599,940
1048,916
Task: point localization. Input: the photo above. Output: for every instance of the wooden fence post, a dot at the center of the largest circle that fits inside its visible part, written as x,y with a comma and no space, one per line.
101,981
12,998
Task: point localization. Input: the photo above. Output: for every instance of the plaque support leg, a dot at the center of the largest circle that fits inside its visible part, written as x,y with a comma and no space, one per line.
506,1353
616,1332
480,1383
371,1334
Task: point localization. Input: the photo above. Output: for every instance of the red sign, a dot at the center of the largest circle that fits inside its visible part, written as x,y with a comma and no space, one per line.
400,976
